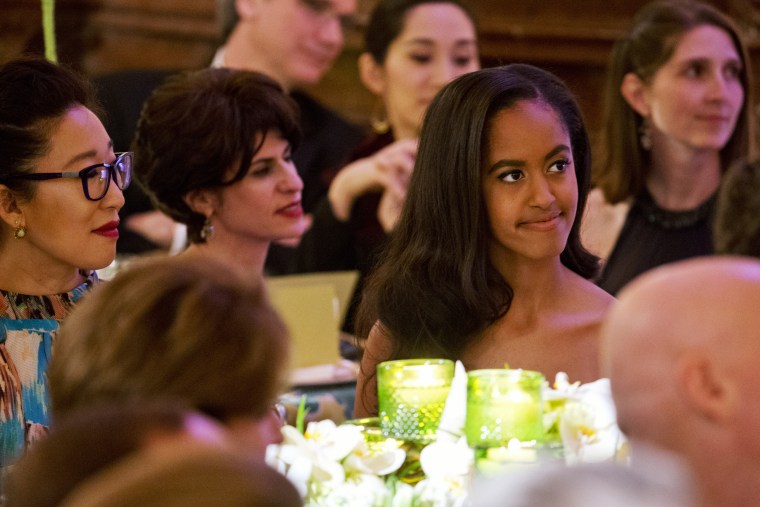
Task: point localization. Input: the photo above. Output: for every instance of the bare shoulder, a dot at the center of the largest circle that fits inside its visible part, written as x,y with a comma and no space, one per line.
377,348
378,344
601,223
587,296
578,328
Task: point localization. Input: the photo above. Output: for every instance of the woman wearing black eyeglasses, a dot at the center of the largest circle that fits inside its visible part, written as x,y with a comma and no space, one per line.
60,194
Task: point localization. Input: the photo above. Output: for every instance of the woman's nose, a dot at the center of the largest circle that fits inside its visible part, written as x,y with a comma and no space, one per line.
718,86
443,72
541,195
114,197
291,181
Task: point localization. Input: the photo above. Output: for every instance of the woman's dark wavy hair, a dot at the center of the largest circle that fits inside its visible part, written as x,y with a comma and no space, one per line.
736,229
387,22
649,44
197,126
436,288
34,96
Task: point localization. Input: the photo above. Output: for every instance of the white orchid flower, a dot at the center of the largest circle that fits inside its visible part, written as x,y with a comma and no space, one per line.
555,398
382,458
333,442
447,467
428,493
361,490
446,460
451,426
403,495
315,456
588,424
562,385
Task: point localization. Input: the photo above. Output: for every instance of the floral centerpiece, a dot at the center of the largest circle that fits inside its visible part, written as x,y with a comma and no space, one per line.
354,465
580,418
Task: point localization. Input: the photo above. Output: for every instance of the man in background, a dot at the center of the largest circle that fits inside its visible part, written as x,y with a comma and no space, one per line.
682,350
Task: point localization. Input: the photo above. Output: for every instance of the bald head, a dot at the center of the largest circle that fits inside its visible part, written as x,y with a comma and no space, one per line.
676,339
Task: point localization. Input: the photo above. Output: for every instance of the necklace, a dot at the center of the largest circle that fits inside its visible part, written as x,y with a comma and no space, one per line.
668,219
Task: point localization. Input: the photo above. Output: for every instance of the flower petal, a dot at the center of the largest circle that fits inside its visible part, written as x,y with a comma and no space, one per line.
444,460
382,463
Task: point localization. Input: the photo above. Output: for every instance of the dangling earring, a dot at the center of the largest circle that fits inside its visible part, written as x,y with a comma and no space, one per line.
645,137
207,231
378,120
20,232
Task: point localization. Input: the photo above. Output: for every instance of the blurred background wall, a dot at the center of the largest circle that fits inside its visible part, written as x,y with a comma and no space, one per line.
569,37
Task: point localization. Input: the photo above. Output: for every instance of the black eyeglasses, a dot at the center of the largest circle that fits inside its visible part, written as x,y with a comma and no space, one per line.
95,178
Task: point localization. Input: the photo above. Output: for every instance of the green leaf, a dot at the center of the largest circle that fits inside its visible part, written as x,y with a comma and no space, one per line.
48,30
301,415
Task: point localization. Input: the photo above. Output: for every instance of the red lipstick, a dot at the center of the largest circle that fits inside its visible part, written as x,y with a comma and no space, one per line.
293,210
109,229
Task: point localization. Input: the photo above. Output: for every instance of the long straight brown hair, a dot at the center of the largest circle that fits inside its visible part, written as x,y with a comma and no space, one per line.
648,45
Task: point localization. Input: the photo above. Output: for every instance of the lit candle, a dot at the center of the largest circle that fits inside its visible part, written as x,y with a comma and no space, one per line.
503,405
496,460
411,397
504,417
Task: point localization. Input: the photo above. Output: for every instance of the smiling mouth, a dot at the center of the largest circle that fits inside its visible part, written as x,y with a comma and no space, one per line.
543,220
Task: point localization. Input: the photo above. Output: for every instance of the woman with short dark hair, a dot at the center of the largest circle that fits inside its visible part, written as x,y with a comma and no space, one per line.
213,150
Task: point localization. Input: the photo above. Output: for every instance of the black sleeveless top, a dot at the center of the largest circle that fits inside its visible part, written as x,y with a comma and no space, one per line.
652,236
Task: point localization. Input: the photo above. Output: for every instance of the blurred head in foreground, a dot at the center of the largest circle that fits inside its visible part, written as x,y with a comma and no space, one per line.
185,329
682,352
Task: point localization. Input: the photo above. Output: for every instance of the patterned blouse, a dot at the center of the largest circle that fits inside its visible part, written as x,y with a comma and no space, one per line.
28,325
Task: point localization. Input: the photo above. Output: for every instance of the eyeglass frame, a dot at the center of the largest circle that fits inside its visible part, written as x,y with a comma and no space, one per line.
82,175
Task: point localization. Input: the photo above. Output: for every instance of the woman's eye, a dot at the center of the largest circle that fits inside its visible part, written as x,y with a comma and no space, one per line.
98,175
317,6
734,71
695,70
420,58
511,176
560,166
462,61
260,170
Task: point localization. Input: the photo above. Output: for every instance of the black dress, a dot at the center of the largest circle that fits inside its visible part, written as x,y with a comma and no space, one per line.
652,236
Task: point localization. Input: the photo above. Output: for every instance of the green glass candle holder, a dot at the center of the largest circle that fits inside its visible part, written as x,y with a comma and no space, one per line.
411,397
503,406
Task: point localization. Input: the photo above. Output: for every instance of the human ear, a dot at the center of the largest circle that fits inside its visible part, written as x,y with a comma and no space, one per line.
202,201
371,74
705,390
10,211
633,90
